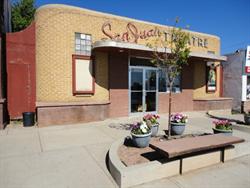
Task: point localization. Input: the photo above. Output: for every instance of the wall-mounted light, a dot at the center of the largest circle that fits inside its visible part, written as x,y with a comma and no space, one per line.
210,63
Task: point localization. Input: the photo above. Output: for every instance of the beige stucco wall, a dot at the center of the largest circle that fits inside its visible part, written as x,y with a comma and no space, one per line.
55,35
55,31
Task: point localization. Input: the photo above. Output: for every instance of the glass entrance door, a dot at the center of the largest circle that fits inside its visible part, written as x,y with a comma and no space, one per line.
150,90
143,89
136,90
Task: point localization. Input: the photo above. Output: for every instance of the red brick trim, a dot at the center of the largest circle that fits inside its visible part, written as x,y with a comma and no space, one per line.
74,58
59,115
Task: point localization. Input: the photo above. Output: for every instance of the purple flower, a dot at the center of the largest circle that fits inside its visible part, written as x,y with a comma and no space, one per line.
178,117
135,126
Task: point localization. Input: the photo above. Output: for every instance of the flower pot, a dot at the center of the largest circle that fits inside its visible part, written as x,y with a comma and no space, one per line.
224,132
154,129
247,119
141,140
177,128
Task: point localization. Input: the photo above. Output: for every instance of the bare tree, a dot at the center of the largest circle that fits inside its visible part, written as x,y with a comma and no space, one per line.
172,58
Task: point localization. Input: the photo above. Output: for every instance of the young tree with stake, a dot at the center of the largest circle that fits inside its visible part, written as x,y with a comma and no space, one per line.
172,58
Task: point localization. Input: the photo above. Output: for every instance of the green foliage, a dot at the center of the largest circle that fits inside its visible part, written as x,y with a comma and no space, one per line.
224,127
140,128
172,59
22,14
139,131
223,124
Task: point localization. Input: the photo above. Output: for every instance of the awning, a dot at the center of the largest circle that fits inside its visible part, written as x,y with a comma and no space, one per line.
134,46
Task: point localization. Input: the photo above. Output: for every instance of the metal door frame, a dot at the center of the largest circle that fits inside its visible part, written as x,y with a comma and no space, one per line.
143,68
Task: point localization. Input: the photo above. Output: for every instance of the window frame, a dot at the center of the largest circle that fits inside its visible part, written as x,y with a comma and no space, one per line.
80,51
83,57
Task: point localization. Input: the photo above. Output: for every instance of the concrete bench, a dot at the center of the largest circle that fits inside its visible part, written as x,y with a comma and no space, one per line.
190,145
179,156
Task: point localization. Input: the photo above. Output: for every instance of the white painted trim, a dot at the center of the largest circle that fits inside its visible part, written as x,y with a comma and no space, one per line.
134,46
83,75
244,88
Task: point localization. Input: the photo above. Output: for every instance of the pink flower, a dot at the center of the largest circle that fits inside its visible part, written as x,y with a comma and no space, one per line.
151,117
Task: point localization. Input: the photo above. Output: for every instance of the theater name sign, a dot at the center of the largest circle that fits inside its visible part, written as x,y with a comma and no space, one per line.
133,34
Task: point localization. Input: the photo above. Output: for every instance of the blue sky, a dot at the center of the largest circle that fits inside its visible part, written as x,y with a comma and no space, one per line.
228,19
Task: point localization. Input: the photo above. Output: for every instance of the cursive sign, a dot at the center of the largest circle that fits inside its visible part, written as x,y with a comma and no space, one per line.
133,34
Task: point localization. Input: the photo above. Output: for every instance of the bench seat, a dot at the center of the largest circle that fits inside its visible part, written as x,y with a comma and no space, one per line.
189,145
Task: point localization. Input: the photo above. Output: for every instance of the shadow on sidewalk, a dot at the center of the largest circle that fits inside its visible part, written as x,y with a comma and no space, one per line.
120,126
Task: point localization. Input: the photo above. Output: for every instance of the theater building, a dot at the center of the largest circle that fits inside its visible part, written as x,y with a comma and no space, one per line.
89,66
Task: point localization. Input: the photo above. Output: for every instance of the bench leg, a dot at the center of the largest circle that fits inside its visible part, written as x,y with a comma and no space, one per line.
222,155
181,162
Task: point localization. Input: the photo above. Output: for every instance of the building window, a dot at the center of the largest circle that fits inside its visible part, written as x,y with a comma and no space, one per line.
83,75
164,84
83,44
162,81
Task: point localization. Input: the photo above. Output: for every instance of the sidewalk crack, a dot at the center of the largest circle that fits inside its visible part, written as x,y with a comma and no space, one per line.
40,141
175,182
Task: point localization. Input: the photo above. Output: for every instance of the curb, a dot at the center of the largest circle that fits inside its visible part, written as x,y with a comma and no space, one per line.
224,118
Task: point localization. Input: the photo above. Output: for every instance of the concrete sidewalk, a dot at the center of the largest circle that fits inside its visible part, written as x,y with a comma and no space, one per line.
73,156
233,174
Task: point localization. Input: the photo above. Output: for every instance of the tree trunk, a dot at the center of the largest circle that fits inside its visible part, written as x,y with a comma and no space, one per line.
169,109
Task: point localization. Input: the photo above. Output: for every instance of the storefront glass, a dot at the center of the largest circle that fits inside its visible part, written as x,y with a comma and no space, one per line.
136,88
150,94
143,89
164,84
